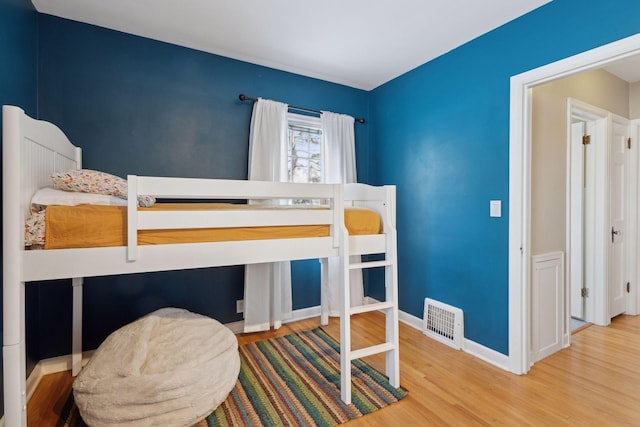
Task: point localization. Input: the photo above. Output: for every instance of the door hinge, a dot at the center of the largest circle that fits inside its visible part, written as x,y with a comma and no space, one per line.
584,292
628,287
586,139
629,143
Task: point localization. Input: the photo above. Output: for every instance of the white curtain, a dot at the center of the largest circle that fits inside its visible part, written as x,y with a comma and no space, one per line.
339,167
267,287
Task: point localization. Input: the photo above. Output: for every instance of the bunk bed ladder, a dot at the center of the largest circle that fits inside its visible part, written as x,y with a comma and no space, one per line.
390,308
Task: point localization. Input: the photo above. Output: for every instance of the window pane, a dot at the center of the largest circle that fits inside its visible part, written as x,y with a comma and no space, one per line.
304,162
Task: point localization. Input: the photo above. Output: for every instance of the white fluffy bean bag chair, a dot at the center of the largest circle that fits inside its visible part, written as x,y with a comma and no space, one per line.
169,368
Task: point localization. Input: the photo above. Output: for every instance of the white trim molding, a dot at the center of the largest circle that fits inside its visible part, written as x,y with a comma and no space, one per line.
486,354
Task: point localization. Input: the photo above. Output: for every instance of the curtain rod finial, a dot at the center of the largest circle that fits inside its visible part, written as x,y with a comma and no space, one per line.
243,97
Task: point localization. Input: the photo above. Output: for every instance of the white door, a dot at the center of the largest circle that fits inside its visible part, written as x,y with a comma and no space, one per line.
618,216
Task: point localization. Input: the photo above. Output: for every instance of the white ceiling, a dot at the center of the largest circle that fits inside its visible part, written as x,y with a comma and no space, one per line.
358,43
627,69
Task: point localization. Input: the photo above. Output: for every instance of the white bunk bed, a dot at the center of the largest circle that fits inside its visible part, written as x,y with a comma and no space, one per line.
33,149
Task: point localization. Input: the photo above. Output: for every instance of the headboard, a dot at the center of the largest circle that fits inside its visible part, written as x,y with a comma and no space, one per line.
31,151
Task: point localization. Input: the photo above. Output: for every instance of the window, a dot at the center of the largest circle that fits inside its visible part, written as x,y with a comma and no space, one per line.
304,151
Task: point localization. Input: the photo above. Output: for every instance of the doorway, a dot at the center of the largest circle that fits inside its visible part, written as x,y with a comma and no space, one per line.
520,189
572,147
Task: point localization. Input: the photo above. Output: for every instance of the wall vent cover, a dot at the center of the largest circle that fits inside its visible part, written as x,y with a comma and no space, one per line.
443,323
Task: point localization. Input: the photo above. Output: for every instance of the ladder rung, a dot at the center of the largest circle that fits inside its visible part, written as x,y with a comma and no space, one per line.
368,351
371,307
370,264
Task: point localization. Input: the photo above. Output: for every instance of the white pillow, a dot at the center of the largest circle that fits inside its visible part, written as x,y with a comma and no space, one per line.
50,196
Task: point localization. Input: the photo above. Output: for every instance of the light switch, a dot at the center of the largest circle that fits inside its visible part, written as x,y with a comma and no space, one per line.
495,208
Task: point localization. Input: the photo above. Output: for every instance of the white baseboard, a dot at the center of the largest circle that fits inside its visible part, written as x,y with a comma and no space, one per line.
304,313
296,315
50,366
236,327
473,348
408,319
488,355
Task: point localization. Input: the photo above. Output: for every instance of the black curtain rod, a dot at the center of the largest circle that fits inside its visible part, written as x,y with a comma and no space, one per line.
243,97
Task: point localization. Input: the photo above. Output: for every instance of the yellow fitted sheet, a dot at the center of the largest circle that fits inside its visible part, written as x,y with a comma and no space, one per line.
89,226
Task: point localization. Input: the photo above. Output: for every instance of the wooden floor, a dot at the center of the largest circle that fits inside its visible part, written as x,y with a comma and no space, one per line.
596,382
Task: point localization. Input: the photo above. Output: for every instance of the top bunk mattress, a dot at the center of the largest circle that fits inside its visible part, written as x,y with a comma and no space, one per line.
90,226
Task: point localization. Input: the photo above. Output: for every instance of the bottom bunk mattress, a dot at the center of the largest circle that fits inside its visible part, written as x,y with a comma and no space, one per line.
90,226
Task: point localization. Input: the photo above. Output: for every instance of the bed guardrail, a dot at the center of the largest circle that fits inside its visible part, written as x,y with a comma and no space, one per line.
221,189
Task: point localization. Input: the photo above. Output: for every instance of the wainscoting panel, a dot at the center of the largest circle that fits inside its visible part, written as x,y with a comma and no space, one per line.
547,291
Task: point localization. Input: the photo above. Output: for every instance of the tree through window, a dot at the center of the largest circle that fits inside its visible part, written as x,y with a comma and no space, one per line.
305,150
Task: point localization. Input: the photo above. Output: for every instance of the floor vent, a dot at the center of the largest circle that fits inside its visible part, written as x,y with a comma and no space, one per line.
443,323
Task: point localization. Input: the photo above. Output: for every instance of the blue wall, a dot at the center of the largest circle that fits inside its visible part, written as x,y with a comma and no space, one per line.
18,59
149,108
18,50
441,133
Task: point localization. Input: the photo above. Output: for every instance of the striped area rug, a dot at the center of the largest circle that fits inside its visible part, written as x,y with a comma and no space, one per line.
294,380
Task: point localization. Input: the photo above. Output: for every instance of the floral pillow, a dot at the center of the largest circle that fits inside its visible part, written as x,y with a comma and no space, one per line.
96,182
34,230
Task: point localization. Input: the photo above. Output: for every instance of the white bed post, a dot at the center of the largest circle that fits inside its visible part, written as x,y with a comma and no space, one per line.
276,295
14,365
76,283
345,299
345,323
324,294
76,339
13,347
132,218
391,291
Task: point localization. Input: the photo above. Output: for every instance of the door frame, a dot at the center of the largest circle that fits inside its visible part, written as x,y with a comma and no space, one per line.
520,185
